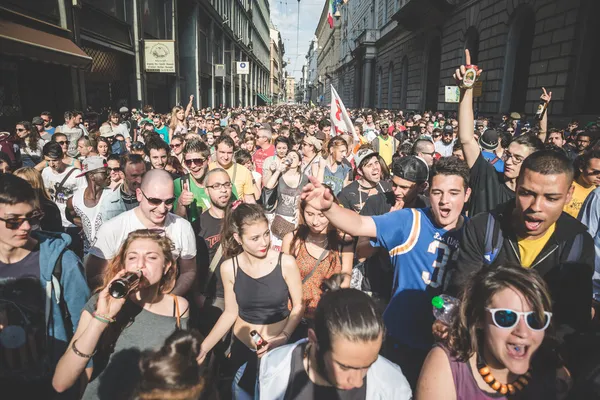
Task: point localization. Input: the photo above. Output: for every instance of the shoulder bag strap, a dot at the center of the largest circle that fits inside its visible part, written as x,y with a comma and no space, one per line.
213,265
61,184
321,257
234,173
176,313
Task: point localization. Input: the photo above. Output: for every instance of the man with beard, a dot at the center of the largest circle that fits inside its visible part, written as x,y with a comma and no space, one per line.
156,198
189,189
444,147
420,242
95,204
133,167
533,231
489,187
368,166
210,286
583,141
384,144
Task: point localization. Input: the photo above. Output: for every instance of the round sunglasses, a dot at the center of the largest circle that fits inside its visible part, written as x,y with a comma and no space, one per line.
505,318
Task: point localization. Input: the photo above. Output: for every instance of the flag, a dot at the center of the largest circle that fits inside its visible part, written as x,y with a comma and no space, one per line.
340,120
330,12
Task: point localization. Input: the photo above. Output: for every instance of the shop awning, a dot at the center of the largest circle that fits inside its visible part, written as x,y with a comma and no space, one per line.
22,41
263,97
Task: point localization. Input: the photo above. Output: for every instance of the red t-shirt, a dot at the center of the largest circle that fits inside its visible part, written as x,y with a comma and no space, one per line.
260,156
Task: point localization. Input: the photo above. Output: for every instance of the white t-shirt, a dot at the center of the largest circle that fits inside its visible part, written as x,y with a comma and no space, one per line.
60,195
113,233
444,149
122,129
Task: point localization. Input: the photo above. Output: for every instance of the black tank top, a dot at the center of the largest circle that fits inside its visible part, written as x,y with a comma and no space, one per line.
264,300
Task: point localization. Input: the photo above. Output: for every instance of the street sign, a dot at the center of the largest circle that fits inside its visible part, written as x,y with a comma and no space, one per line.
159,56
220,70
478,89
452,94
243,68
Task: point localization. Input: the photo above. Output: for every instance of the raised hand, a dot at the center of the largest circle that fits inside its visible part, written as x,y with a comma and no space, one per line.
186,197
316,195
546,96
460,72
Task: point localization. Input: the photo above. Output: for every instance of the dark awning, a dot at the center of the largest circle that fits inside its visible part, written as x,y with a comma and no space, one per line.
22,41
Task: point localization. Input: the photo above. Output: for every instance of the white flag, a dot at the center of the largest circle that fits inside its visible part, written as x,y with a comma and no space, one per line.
340,120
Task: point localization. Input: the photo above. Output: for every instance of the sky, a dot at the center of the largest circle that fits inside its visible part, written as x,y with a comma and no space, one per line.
284,15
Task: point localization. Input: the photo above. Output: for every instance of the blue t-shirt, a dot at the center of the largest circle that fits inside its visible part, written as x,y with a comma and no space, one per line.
419,251
336,179
163,132
489,157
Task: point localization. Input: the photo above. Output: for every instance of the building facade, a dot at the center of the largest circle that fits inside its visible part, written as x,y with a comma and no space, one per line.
290,89
328,57
312,74
402,53
277,65
90,55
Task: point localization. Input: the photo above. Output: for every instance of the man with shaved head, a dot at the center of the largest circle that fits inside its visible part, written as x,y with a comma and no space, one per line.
156,198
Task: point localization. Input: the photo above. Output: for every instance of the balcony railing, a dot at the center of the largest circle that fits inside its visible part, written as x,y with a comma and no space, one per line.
367,36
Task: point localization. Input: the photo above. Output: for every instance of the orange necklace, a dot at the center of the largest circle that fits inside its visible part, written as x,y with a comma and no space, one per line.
502,388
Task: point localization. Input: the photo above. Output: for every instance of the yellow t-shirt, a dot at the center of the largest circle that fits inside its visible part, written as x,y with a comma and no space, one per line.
386,149
579,195
530,248
242,180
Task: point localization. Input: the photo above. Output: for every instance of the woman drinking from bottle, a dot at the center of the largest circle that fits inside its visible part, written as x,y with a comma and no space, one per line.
116,330
258,283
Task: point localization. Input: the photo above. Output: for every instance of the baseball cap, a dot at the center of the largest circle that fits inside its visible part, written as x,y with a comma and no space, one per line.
279,121
91,164
314,141
515,115
37,121
361,155
123,110
106,131
448,129
489,140
411,168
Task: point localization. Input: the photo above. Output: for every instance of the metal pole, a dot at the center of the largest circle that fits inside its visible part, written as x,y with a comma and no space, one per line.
138,59
212,63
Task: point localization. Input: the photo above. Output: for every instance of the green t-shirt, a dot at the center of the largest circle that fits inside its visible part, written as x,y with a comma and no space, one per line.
201,200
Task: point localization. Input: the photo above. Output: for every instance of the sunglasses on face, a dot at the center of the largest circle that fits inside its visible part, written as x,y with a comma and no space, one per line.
16,222
63,142
175,145
137,146
196,161
21,129
157,202
117,169
505,318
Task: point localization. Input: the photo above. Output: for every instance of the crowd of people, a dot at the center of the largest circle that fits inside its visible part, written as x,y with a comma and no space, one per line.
268,255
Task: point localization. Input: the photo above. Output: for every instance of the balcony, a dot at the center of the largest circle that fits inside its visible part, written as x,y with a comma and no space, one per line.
415,14
367,37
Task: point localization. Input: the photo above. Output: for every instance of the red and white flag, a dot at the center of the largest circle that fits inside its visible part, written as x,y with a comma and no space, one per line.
340,120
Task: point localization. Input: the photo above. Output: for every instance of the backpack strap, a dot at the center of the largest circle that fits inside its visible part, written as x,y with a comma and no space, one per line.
491,251
495,160
62,305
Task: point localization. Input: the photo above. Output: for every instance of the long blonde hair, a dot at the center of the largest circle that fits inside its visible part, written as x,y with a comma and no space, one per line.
34,177
174,121
117,264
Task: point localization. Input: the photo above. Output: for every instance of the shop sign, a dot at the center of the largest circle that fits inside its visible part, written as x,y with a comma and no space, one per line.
159,56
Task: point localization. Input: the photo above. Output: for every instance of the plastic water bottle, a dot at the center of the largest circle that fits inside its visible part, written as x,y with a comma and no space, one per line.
444,308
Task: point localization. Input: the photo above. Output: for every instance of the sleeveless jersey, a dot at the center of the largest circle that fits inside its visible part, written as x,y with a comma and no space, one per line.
419,251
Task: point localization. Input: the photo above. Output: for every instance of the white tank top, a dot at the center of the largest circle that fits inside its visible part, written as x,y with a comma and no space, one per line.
91,218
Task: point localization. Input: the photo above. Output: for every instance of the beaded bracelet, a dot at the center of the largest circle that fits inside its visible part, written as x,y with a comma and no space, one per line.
103,318
80,354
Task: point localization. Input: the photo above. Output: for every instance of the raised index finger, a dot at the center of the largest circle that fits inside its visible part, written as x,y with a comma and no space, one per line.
545,93
467,57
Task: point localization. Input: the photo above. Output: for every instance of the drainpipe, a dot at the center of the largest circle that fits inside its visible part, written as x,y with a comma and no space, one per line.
138,59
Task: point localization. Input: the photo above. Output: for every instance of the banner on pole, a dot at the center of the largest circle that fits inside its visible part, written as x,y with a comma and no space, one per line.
340,120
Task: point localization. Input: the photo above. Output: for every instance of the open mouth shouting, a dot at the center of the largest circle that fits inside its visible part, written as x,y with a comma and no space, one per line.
532,223
518,351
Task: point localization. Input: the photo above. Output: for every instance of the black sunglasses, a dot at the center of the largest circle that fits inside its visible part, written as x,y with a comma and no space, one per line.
197,161
137,146
62,142
16,222
157,202
117,169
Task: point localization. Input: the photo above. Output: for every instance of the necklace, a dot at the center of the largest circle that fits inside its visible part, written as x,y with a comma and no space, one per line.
509,388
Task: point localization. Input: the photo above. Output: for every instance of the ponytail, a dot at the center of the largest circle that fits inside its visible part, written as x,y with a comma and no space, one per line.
236,217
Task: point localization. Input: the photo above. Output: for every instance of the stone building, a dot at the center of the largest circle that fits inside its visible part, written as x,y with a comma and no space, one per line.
277,81
328,57
401,53
290,89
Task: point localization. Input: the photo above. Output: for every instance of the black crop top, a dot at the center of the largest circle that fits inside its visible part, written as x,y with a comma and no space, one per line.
264,300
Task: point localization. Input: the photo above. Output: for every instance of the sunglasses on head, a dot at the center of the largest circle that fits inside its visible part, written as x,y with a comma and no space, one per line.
505,318
197,161
157,202
16,222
